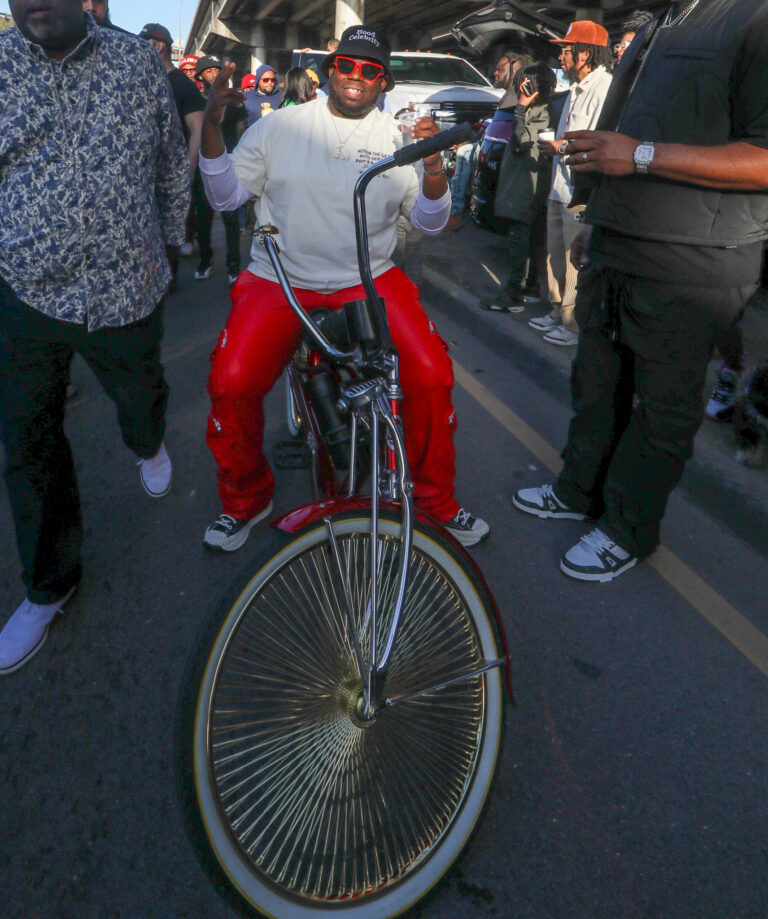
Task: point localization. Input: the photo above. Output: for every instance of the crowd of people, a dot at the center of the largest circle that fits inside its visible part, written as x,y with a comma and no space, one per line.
649,206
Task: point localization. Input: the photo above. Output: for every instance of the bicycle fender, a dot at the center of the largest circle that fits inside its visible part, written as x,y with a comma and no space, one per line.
299,517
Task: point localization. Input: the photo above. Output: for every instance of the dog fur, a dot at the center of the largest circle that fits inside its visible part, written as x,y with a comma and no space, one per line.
750,419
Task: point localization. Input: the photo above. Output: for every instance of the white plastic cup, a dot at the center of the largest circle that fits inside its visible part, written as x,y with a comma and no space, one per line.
407,121
546,135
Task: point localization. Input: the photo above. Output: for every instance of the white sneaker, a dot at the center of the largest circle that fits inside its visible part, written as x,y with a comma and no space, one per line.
204,269
186,249
25,632
545,323
156,473
468,530
562,336
596,557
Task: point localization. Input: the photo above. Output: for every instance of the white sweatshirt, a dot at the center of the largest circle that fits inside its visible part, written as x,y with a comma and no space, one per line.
301,164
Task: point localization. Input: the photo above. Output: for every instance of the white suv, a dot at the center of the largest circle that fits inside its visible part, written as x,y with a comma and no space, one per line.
454,89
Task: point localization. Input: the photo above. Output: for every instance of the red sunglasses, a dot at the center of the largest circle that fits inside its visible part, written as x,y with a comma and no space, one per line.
369,71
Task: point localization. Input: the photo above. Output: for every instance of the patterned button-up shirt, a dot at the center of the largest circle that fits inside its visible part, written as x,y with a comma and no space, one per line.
94,180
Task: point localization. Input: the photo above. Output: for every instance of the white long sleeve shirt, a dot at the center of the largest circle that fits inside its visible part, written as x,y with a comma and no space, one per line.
301,165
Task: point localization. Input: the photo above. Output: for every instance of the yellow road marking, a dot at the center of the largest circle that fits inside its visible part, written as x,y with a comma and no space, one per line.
739,631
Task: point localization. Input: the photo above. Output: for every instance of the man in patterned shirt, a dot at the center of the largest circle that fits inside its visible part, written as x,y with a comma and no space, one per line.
94,186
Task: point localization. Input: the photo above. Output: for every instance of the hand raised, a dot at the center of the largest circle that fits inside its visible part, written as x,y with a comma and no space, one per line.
221,94
527,100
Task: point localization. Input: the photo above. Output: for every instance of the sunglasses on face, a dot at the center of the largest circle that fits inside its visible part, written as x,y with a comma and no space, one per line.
369,71
268,80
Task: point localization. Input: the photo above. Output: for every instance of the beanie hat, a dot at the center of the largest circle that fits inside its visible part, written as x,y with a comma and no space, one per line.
206,61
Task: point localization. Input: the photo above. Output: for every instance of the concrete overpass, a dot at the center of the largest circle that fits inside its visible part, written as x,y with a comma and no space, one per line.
251,31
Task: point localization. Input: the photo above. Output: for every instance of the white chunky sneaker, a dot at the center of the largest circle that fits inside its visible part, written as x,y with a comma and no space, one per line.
468,530
543,502
227,533
596,557
25,632
546,323
562,337
156,473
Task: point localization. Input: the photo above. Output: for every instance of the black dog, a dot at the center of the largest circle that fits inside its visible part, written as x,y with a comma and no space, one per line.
750,419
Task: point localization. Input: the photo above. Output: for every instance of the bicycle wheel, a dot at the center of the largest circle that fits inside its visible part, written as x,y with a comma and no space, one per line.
304,808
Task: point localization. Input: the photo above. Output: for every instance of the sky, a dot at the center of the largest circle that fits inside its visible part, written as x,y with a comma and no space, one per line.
133,14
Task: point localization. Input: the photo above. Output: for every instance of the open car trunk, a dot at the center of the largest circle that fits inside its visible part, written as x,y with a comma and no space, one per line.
483,28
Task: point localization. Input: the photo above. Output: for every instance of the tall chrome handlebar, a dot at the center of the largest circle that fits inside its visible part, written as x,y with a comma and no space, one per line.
408,154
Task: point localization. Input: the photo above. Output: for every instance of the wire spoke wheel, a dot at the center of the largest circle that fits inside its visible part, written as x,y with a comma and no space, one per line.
304,800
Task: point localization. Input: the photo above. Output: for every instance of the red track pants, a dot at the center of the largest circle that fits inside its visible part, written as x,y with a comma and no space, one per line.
258,340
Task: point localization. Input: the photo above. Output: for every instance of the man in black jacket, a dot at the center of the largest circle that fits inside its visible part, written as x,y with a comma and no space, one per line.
678,214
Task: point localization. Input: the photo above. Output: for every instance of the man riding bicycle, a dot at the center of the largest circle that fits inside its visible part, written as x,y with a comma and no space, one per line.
301,165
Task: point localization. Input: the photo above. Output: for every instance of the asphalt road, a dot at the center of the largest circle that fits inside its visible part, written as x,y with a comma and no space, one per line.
636,761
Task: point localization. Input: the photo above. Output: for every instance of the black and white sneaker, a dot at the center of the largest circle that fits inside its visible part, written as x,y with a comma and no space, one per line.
506,301
723,399
227,533
203,270
596,557
468,530
543,502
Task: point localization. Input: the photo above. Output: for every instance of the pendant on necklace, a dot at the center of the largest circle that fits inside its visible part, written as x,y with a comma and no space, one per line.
340,153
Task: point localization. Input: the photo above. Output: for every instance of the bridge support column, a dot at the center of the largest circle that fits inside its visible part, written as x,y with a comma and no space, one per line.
348,13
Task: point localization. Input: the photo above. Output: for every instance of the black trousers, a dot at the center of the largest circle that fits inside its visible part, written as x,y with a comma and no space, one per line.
637,384
204,221
35,356
519,253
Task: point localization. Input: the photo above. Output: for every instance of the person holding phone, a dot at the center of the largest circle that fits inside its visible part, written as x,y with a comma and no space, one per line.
523,184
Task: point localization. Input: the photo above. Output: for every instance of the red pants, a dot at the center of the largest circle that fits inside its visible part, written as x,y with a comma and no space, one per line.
258,340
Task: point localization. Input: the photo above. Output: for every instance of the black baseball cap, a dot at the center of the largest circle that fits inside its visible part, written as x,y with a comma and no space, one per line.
157,32
360,41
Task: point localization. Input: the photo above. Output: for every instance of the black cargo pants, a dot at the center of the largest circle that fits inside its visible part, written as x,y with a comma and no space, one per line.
637,384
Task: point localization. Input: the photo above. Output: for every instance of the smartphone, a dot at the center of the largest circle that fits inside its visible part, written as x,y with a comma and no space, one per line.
526,89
